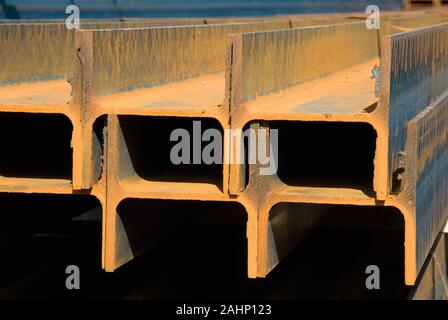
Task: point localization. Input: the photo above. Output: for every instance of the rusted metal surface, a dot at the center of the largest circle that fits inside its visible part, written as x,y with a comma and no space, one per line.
426,174
172,54
274,61
122,179
32,52
418,64
301,74
124,183
264,72
37,60
262,194
186,60
37,51
260,76
412,62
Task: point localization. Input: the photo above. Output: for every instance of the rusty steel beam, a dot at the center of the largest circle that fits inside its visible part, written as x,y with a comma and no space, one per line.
281,226
36,92
157,86
315,74
36,109
413,74
119,83
404,57
418,62
144,88
328,83
37,60
424,198
36,67
119,75
422,201
123,183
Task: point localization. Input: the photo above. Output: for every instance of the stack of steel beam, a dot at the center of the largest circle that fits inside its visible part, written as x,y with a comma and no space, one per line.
334,95
90,112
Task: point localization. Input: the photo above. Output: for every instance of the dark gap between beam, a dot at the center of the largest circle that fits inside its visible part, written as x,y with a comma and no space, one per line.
149,146
326,154
148,223
330,247
35,145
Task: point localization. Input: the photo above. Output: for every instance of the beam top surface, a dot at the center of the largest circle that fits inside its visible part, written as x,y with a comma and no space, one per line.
273,61
192,97
343,94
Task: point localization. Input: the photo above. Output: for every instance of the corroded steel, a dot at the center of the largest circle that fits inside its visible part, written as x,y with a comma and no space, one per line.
263,72
413,75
